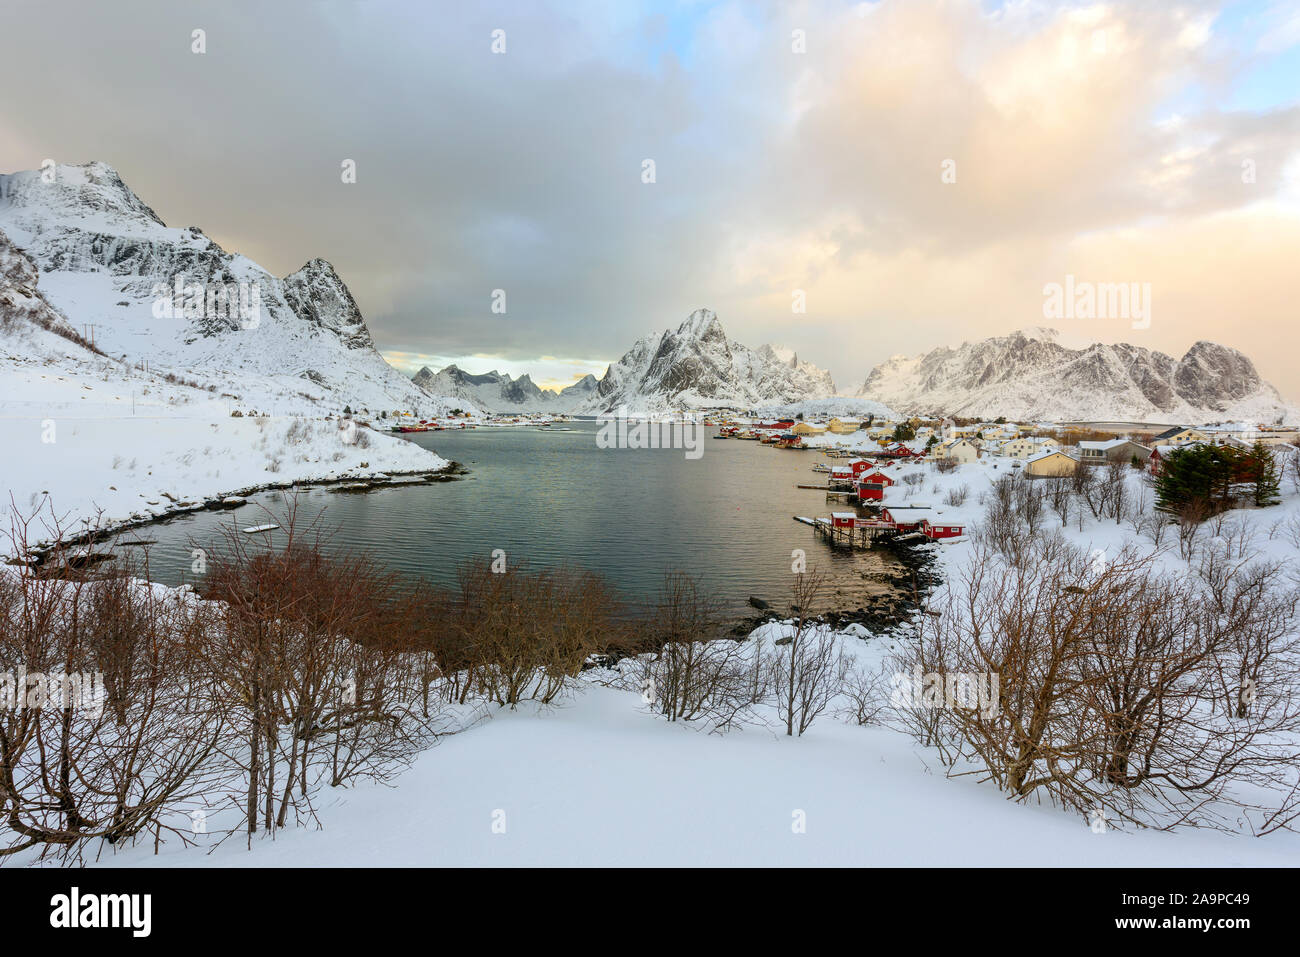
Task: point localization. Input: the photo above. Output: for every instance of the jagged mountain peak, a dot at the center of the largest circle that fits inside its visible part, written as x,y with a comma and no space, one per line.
702,324
697,366
784,355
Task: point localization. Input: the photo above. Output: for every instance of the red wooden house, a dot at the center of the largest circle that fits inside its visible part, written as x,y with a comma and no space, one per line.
935,531
872,485
843,520
900,451
905,518
1156,460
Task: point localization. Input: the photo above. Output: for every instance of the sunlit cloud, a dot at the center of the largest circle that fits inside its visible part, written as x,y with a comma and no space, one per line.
1119,141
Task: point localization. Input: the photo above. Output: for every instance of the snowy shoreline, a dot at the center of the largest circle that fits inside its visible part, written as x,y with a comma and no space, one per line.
90,477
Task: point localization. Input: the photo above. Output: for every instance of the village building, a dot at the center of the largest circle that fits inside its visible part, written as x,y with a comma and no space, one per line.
805,428
1158,455
958,450
907,518
1026,445
841,427
937,529
1113,450
872,485
1180,435
1048,463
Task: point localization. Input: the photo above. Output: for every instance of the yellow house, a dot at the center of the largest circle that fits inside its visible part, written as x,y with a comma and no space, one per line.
1180,436
1023,448
840,427
1050,462
803,428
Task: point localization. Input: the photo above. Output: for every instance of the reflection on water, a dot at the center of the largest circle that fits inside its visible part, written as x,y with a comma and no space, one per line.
555,498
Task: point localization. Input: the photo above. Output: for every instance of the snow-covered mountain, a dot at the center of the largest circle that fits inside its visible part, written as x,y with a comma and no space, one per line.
697,367
1031,375
175,299
815,379
497,392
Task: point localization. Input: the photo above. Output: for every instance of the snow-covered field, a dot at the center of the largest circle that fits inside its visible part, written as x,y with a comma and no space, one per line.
598,779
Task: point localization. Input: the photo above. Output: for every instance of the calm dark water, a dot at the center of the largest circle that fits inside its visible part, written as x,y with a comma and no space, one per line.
552,498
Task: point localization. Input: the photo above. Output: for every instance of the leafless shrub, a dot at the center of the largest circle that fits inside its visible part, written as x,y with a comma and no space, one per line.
697,673
808,667
957,496
1120,688
113,744
866,695
1189,517
1060,497
317,672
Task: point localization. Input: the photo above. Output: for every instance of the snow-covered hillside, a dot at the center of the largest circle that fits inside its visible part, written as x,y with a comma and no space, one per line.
498,392
175,299
1032,376
144,420
697,367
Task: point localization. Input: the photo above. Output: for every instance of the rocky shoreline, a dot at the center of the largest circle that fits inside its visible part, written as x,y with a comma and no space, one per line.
908,590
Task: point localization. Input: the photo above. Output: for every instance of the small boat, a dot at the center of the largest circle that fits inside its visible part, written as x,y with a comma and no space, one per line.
260,528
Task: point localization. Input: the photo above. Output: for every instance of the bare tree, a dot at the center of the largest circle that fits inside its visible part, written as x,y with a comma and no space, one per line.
808,668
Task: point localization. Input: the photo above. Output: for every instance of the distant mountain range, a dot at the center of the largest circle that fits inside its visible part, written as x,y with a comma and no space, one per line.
497,392
1031,375
694,366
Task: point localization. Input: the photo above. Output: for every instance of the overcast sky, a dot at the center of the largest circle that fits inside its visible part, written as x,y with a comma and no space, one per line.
1130,142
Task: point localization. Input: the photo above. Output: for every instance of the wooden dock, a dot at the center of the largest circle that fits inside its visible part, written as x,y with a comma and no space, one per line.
831,492
863,534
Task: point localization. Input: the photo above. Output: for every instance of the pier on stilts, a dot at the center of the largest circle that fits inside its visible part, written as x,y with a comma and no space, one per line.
850,531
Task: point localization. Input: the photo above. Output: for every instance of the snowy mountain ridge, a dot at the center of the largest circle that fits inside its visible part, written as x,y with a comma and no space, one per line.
497,392
1033,375
106,260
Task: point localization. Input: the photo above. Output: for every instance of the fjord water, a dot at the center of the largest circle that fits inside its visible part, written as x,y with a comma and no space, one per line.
550,498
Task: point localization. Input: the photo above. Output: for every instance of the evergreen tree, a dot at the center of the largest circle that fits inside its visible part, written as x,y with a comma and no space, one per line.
1209,475
903,432
1266,478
